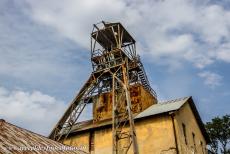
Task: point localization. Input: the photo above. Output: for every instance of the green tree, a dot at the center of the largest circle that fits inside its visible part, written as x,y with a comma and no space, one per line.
210,127
219,133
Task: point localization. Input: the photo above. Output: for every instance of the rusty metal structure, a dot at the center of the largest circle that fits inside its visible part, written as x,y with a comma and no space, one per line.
116,68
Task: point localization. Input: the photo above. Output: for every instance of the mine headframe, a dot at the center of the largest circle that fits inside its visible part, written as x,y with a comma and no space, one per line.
112,45
116,67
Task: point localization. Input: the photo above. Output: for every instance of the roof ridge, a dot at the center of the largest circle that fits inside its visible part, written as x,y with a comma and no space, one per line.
25,129
34,133
173,100
2,122
31,139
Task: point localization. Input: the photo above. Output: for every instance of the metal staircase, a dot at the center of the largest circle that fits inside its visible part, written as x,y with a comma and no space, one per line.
143,78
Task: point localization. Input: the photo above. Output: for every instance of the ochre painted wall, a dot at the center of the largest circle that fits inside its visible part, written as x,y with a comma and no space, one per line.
186,116
103,141
80,140
154,134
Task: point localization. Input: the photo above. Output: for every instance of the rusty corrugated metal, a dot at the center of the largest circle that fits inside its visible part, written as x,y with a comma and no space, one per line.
16,140
140,100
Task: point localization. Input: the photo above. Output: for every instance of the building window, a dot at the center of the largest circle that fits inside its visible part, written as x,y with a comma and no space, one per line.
91,141
201,144
194,141
184,132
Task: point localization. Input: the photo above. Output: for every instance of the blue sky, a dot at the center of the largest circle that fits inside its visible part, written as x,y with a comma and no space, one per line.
45,57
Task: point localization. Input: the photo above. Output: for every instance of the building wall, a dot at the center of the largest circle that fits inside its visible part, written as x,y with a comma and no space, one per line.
80,140
198,145
103,141
140,100
154,134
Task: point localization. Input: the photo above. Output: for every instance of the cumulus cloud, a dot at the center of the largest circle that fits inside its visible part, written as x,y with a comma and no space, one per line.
211,79
35,110
224,52
173,29
36,56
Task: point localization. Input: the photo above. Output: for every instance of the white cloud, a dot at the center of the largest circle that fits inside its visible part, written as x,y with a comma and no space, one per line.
224,55
211,79
73,19
35,110
173,45
177,29
37,57
224,52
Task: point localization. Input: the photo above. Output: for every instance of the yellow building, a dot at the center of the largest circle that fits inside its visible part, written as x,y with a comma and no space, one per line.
166,127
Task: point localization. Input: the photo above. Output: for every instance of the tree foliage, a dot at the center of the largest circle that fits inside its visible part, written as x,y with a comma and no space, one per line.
219,133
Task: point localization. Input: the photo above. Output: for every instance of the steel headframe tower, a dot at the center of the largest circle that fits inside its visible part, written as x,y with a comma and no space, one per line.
116,66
